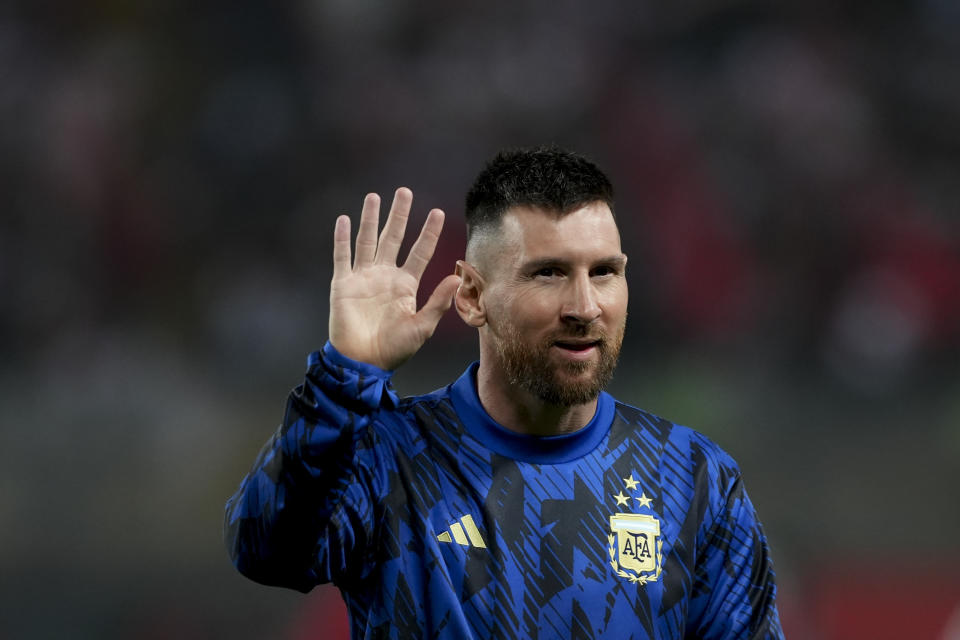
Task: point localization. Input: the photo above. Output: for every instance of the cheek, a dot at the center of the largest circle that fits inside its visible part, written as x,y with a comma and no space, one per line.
534,310
616,303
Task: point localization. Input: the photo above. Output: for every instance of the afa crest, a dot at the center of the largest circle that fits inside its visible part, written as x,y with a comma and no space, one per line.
636,548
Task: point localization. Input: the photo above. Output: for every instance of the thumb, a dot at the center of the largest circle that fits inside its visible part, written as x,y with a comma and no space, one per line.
440,300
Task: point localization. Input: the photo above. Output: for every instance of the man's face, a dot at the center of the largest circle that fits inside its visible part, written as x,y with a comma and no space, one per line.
556,301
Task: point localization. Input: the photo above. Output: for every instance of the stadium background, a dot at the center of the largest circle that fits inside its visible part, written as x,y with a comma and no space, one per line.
170,172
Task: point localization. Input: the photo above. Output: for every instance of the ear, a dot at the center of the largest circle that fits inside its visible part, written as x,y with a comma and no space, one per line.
469,299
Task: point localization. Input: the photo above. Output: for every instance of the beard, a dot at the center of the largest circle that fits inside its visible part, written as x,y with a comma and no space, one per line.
565,384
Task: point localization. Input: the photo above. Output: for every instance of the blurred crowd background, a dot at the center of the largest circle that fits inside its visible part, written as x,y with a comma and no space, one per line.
788,192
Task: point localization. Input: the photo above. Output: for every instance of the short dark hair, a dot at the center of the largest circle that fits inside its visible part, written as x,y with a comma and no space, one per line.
547,177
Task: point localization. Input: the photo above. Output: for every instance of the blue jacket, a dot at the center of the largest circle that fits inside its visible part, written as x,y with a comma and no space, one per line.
436,522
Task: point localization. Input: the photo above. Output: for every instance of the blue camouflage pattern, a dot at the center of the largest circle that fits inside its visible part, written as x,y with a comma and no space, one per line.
436,522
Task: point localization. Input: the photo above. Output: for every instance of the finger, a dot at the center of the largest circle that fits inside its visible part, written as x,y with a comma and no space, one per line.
440,300
396,225
341,246
367,234
422,250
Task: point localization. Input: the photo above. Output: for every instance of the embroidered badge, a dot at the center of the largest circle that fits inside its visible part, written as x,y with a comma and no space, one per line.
636,548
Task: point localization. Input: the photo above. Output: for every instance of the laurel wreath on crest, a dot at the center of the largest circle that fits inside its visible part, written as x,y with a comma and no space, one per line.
629,575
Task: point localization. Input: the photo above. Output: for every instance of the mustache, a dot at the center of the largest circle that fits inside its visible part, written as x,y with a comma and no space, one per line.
580,329
605,337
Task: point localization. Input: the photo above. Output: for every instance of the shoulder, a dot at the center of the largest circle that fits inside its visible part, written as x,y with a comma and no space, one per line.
426,401
679,448
414,417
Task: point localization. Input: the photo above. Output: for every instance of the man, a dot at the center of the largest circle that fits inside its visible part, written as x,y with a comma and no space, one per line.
521,501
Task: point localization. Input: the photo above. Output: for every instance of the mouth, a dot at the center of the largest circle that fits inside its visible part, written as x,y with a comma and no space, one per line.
576,346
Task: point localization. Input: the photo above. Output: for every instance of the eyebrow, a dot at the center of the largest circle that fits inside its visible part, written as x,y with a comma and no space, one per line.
618,260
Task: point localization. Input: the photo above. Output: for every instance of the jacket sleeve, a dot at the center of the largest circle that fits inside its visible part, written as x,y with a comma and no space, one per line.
735,589
304,514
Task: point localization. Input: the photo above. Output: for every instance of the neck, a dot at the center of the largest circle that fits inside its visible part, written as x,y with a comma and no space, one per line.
519,410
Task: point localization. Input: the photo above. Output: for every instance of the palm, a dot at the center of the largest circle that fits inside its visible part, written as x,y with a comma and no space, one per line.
373,302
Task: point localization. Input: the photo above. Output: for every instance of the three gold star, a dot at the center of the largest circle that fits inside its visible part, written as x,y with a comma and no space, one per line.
631,484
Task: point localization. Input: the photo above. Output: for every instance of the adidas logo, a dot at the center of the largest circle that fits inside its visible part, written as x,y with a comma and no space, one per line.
466,535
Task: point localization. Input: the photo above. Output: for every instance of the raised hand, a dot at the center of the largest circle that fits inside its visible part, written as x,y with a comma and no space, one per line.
373,302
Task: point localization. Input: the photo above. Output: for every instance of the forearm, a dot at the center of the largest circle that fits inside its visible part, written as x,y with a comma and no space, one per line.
281,526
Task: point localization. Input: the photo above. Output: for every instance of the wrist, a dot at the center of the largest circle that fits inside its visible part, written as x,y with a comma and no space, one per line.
338,358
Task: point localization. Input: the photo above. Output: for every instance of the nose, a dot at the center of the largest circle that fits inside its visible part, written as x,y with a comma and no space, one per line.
581,304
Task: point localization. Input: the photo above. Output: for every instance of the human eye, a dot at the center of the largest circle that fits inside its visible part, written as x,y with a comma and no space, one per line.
604,270
545,272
